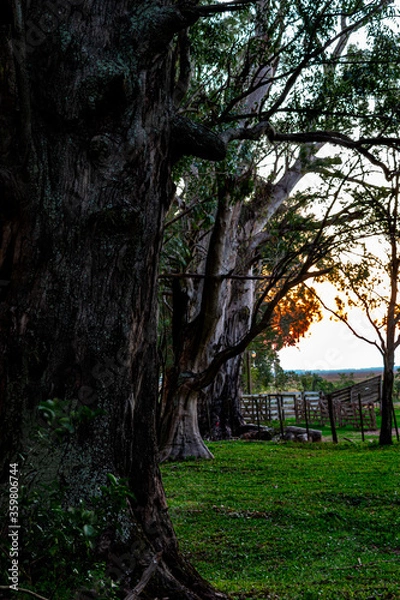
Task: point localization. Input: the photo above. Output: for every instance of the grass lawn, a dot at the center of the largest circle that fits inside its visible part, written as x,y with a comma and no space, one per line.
291,521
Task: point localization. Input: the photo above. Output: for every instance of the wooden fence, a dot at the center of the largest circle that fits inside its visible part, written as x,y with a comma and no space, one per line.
353,405
268,407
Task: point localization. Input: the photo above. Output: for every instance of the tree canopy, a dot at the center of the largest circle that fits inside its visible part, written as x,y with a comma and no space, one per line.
281,87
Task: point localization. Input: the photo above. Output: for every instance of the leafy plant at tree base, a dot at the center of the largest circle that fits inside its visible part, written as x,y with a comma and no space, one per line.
60,548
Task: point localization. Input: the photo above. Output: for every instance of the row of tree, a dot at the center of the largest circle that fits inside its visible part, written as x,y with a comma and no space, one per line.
115,143
239,243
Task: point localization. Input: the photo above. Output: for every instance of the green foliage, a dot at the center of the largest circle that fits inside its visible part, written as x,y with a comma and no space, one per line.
267,374
312,85
58,553
61,420
291,521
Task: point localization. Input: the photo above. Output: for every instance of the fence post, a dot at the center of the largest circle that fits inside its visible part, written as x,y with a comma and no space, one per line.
361,417
258,415
306,415
279,406
332,419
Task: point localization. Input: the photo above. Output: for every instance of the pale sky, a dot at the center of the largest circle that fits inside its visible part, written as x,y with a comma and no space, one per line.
330,345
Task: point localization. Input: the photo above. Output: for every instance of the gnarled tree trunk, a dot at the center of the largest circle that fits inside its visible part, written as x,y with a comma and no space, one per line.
85,175
180,434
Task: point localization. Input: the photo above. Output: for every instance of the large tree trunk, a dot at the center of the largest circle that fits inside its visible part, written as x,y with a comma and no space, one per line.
86,182
219,410
180,436
197,330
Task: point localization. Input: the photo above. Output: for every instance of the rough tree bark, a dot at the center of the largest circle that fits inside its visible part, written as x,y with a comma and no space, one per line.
86,151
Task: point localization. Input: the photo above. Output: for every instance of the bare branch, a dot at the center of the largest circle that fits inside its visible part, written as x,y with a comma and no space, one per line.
340,139
200,380
193,139
345,321
212,9
216,277
249,133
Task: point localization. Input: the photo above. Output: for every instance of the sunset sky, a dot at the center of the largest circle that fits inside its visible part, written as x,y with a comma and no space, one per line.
330,345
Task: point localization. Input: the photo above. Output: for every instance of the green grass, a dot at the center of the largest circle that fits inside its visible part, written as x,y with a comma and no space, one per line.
291,521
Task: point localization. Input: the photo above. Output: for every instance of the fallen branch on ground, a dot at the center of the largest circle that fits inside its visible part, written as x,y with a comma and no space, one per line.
147,575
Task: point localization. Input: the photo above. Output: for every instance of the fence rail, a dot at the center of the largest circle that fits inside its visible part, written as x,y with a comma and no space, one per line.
268,407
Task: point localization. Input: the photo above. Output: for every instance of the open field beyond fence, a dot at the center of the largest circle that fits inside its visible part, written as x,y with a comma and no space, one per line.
292,521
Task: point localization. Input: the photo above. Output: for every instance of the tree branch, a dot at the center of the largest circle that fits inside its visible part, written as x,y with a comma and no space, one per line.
217,277
249,133
24,591
212,9
344,320
340,139
193,139
201,380
147,575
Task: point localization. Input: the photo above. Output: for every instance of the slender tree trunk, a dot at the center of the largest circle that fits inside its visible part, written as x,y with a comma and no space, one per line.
385,436
88,181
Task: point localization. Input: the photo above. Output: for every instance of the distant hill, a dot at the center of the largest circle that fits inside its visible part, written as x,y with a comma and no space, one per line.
356,374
